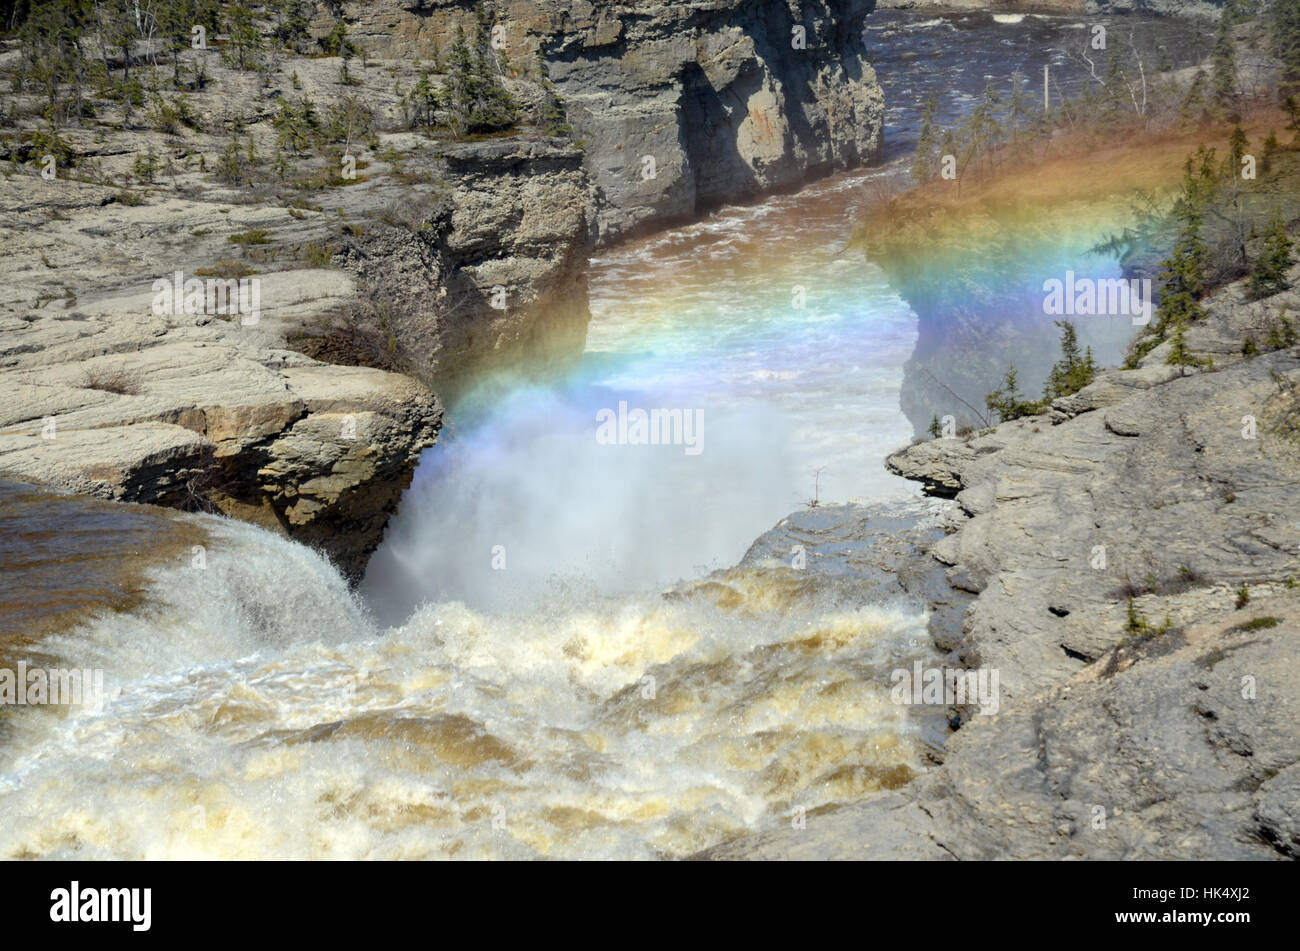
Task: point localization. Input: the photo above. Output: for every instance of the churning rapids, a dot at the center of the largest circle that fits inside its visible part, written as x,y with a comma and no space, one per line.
511,680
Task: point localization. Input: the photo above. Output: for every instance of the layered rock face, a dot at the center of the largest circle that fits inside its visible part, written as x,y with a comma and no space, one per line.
678,106
1134,560
1180,8
103,395
400,269
321,453
489,271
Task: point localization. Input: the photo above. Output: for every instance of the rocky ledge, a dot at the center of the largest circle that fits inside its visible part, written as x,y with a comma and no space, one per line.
104,396
1133,556
1203,9
678,106
373,286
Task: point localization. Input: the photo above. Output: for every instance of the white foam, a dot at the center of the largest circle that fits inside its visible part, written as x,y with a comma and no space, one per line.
414,742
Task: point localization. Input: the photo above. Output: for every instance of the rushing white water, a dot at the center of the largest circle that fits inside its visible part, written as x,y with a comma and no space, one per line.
540,698
256,712
760,320
783,343
511,682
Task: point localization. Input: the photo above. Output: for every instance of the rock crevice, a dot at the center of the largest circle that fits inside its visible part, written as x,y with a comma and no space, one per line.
678,107
1138,593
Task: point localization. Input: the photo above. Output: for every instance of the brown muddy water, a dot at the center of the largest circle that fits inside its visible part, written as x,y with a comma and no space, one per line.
258,708
66,557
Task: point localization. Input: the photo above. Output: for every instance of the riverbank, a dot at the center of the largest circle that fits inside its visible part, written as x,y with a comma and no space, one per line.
1133,561
1128,547
378,252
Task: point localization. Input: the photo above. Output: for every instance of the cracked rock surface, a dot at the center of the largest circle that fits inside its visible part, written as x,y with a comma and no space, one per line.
1168,732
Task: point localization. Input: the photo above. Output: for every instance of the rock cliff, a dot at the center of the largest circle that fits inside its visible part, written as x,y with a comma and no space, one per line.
105,396
678,106
1182,8
1133,556
435,258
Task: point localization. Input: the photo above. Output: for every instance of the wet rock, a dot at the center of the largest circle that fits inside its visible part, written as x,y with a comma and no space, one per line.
1137,574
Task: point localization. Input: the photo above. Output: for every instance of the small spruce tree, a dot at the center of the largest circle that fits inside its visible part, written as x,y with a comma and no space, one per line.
1179,353
245,44
1285,43
1007,400
1273,262
1074,370
925,162
1183,272
1223,61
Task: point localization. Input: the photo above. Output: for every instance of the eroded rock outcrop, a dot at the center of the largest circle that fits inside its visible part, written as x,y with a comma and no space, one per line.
1201,9
678,106
1134,555
105,396
290,422
489,271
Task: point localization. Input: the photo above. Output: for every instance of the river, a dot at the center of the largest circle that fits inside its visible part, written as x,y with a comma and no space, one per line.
511,680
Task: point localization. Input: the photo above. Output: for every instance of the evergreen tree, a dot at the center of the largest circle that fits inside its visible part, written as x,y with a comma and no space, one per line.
175,22
1271,148
245,37
291,26
1196,108
461,82
981,129
1179,354
1223,61
1281,332
119,32
925,163
1285,17
146,166
1117,102
554,119
1273,262
1018,107
477,102
51,57
1183,272
1073,371
422,103
336,42
1200,176
231,166
948,146
1007,401
297,125
1238,145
